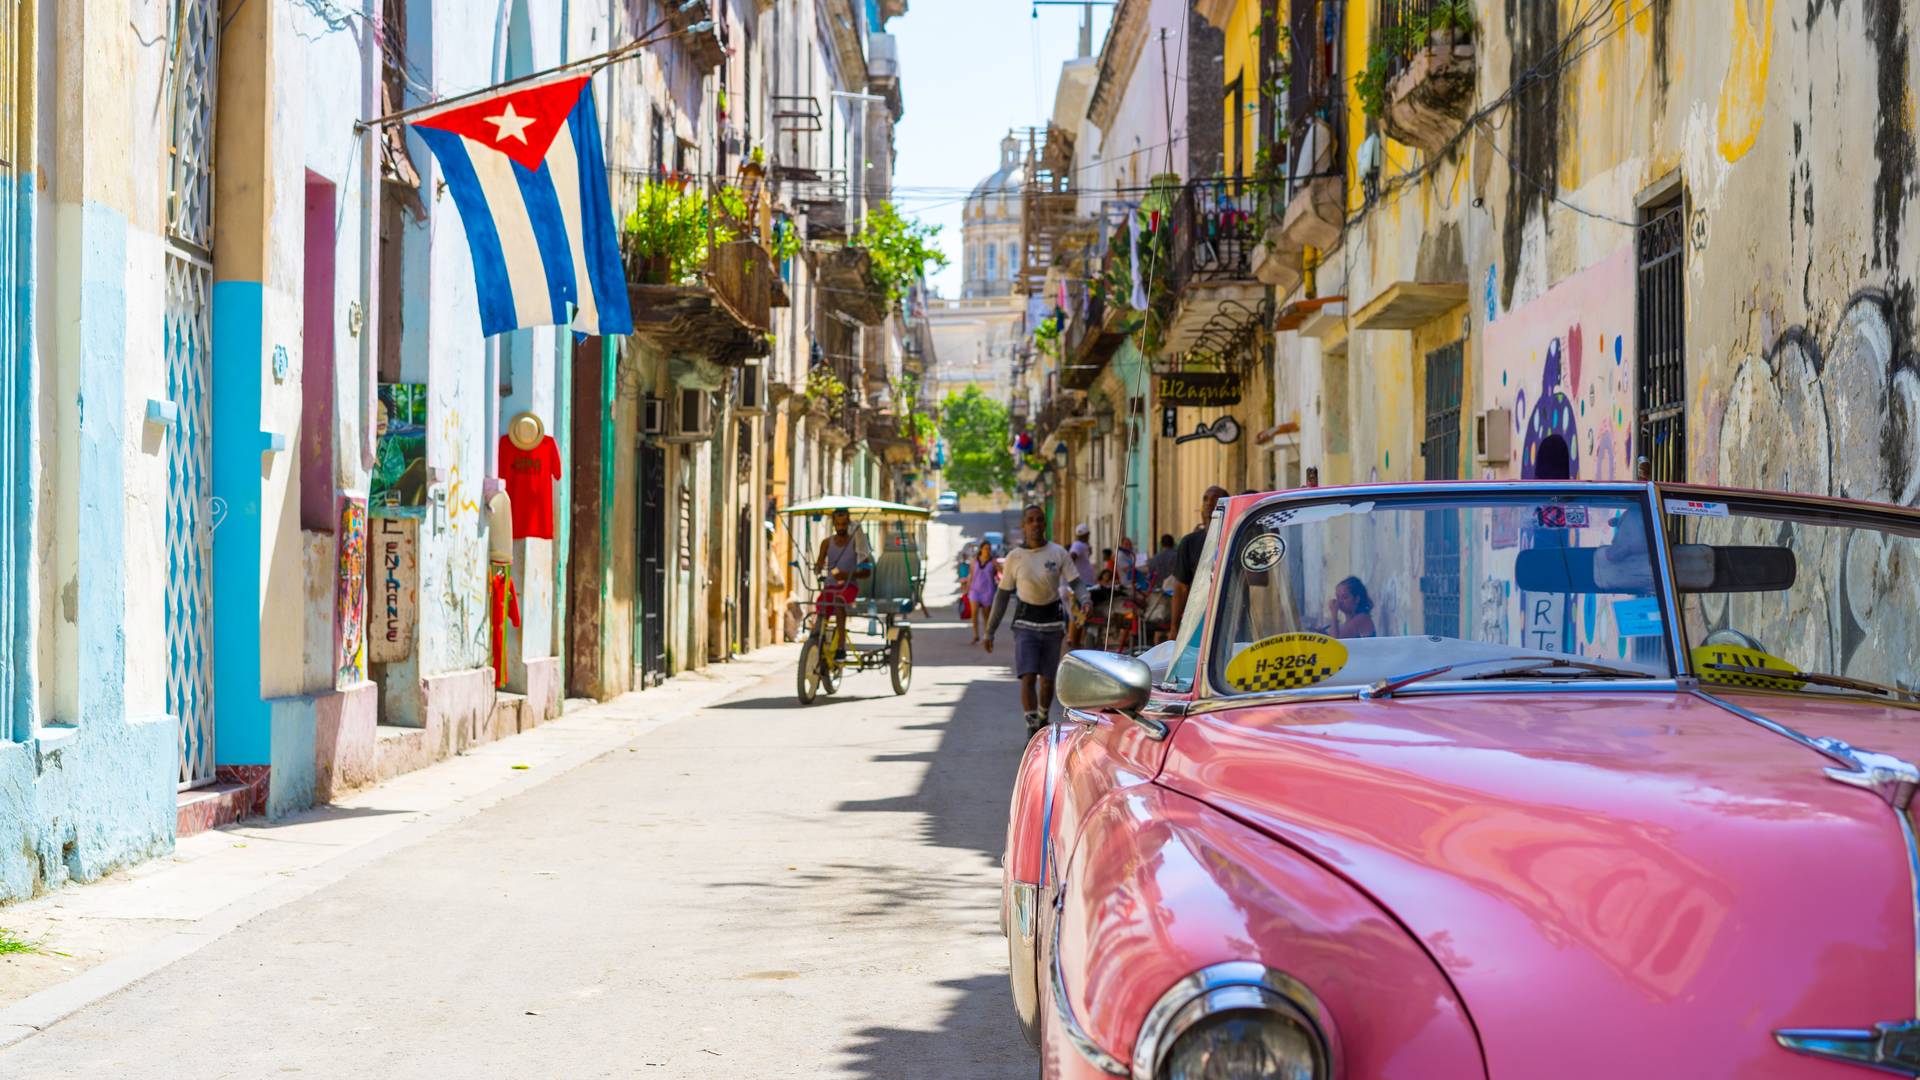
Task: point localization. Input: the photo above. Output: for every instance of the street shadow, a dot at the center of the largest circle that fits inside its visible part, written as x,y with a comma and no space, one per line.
966,782
977,1038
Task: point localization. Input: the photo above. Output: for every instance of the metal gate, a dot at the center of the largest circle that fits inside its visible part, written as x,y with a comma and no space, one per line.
1661,363
652,564
192,512
1440,571
190,515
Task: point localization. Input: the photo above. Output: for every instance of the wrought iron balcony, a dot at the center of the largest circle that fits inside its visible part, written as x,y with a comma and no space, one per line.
724,315
1215,235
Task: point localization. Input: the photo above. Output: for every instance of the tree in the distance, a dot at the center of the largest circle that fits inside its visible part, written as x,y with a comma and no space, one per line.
979,457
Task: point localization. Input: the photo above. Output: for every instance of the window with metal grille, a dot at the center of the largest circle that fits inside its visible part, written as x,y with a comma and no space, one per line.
1660,364
1440,569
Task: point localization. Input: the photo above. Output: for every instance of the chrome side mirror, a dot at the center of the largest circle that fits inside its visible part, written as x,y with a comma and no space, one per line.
1102,680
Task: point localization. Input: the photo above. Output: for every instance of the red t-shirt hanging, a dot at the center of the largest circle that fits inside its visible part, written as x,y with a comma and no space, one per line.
529,476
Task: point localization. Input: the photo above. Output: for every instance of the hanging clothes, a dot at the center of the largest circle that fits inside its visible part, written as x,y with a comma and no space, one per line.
503,606
529,477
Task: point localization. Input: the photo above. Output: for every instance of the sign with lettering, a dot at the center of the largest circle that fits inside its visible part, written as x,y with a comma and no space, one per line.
1200,389
395,588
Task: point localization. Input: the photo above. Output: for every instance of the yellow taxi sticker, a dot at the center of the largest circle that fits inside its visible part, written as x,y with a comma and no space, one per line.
1286,662
1722,665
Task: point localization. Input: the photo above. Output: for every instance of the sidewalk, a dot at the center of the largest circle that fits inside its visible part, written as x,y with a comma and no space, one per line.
97,939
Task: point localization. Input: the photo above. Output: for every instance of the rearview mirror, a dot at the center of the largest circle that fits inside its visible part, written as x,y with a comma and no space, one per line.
1102,680
1712,568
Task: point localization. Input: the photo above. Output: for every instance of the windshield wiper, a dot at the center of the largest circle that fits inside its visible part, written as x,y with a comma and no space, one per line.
1818,678
1519,665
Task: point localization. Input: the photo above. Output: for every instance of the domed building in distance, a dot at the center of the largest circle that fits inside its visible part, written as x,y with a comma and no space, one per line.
990,228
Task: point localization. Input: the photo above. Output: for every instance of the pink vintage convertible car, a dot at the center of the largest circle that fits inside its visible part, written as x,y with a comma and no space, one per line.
1519,780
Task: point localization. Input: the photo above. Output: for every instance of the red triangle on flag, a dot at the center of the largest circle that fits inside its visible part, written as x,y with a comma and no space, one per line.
520,123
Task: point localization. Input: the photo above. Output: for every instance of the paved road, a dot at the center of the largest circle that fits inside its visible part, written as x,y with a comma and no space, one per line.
756,891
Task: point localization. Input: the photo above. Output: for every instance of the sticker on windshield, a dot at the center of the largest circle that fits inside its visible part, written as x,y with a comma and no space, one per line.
1736,665
1263,553
1560,516
1638,616
1696,508
1286,662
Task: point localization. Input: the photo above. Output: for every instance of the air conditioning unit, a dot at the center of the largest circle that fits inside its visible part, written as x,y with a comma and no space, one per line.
692,416
750,388
653,416
1493,436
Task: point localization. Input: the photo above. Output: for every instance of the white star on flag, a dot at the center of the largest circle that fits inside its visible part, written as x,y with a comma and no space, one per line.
511,125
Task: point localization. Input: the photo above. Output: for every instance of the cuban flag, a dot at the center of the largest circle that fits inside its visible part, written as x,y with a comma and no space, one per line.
526,170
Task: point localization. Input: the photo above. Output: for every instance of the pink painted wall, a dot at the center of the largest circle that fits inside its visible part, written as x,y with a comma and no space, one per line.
1563,364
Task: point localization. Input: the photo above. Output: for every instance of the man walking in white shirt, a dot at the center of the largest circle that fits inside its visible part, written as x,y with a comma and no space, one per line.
1031,577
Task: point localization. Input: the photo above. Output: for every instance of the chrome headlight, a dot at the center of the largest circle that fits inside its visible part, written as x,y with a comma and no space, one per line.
1248,1045
1235,1021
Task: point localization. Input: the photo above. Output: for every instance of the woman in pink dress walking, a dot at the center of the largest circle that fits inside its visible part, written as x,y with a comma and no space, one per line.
981,585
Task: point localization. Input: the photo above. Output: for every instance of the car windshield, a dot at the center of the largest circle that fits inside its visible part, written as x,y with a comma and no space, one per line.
1347,593
1826,591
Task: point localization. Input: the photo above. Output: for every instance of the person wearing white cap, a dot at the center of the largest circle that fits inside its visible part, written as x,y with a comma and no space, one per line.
1082,552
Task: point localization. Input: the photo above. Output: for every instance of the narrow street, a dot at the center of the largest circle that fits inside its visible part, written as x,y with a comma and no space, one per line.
758,890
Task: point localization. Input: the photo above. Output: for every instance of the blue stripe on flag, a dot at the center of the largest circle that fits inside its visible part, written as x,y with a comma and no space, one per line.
597,231
550,232
497,313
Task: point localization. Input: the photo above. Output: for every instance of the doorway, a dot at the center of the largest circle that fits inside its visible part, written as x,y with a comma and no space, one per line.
651,564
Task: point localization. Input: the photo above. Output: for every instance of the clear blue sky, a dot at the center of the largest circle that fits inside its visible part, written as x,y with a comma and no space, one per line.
969,71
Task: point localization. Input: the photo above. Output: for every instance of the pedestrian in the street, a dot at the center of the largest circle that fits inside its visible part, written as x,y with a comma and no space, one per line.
1082,552
1186,560
1160,567
1031,578
983,583
1126,566
844,559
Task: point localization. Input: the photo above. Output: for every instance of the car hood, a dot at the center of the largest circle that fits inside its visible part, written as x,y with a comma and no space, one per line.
1612,881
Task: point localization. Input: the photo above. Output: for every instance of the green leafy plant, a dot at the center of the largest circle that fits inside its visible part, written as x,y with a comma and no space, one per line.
1454,15
824,387
977,432
666,234
902,249
1046,336
786,240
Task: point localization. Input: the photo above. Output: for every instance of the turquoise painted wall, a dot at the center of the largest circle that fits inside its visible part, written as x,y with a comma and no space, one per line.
242,729
79,799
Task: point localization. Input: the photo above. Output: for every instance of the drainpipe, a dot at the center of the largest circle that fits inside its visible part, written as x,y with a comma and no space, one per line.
369,244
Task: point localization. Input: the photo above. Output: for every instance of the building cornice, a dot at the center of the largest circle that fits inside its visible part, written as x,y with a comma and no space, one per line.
1126,38
849,45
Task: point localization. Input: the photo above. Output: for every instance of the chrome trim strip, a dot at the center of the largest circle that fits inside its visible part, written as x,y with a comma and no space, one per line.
1220,988
1070,1026
1512,686
1046,815
1893,1048
1023,962
1892,779
1676,628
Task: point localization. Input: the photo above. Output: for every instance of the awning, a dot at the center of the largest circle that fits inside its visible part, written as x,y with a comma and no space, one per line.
858,506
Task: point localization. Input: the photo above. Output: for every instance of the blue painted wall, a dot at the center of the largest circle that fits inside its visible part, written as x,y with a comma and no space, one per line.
242,722
78,800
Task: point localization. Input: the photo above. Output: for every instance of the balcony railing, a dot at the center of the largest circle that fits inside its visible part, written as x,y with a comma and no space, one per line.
725,315
1214,235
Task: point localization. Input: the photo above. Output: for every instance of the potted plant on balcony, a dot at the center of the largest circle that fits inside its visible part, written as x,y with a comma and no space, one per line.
666,236
1447,23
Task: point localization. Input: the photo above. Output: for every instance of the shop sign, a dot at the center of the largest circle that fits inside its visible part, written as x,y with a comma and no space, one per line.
1200,389
395,589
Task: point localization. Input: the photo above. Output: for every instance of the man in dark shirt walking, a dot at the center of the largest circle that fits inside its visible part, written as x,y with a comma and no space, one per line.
1186,557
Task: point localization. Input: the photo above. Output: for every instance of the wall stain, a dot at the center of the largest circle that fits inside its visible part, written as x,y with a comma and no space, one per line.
1743,92
1534,30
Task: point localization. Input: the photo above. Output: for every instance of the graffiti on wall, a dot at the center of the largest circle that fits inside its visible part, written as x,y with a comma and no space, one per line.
395,588
1847,401
352,597
1560,365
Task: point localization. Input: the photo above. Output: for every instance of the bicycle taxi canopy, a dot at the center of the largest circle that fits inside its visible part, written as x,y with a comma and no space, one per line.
860,507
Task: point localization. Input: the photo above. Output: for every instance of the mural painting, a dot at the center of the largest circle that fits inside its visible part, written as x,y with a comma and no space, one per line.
1560,364
399,485
352,597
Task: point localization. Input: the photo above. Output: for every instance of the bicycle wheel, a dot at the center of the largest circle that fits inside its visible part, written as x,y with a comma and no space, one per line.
807,676
900,664
831,670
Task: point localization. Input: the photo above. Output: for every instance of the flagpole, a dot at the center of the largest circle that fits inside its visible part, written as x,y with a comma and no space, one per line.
596,62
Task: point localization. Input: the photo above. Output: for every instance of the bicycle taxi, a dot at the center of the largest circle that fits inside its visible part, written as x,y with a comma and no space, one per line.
876,633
